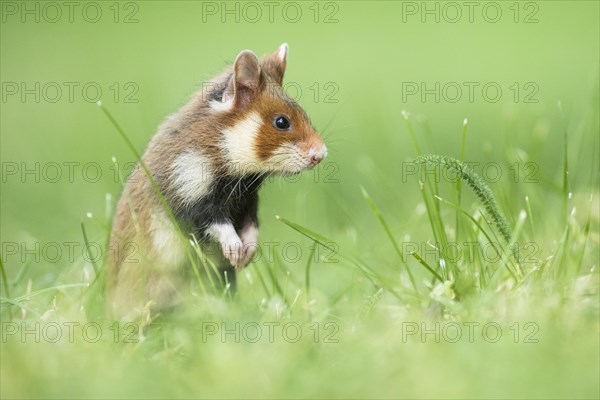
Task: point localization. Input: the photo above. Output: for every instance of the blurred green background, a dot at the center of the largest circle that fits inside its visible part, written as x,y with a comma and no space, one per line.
351,65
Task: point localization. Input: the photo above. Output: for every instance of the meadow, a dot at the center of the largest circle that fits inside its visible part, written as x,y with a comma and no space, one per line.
383,273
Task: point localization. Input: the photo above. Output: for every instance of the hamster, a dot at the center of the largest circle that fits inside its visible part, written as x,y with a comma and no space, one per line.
209,160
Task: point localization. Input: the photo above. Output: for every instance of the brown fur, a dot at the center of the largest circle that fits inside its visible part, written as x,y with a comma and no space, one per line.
134,277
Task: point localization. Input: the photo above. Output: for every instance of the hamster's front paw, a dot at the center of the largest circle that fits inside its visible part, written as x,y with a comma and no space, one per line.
233,250
231,244
249,237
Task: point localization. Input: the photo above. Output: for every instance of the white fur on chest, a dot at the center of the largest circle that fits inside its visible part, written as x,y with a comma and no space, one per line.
191,175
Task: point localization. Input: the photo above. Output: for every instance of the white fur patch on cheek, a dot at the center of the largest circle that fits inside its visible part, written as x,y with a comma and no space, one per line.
167,245
191,175
240,141
221,106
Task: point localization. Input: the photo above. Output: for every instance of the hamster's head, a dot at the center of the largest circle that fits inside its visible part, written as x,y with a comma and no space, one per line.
263,129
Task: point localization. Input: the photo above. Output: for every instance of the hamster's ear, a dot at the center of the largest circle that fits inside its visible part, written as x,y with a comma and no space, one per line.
275,63
245,82
281,53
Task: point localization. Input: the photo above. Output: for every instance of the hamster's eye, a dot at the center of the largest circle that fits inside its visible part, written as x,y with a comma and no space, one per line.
281,123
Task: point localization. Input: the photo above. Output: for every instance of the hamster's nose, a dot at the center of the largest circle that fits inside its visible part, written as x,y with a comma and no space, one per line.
316,156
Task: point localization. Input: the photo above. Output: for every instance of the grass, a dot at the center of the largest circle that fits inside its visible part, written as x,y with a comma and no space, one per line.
392,323
395,272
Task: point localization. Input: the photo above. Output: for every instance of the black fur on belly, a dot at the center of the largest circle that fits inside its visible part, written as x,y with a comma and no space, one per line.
232,200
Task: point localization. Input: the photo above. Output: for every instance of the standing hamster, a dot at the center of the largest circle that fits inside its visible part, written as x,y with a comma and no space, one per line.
208,160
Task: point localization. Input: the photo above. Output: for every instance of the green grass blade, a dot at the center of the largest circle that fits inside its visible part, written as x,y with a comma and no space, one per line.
483,193
483,231
411,132
256,269
275,286
87,249
530,215
586,234
4,280
389,234
41,291
5,302
459,180
323,241
514,250
565,174
307,270
20,275
5,285
424,263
